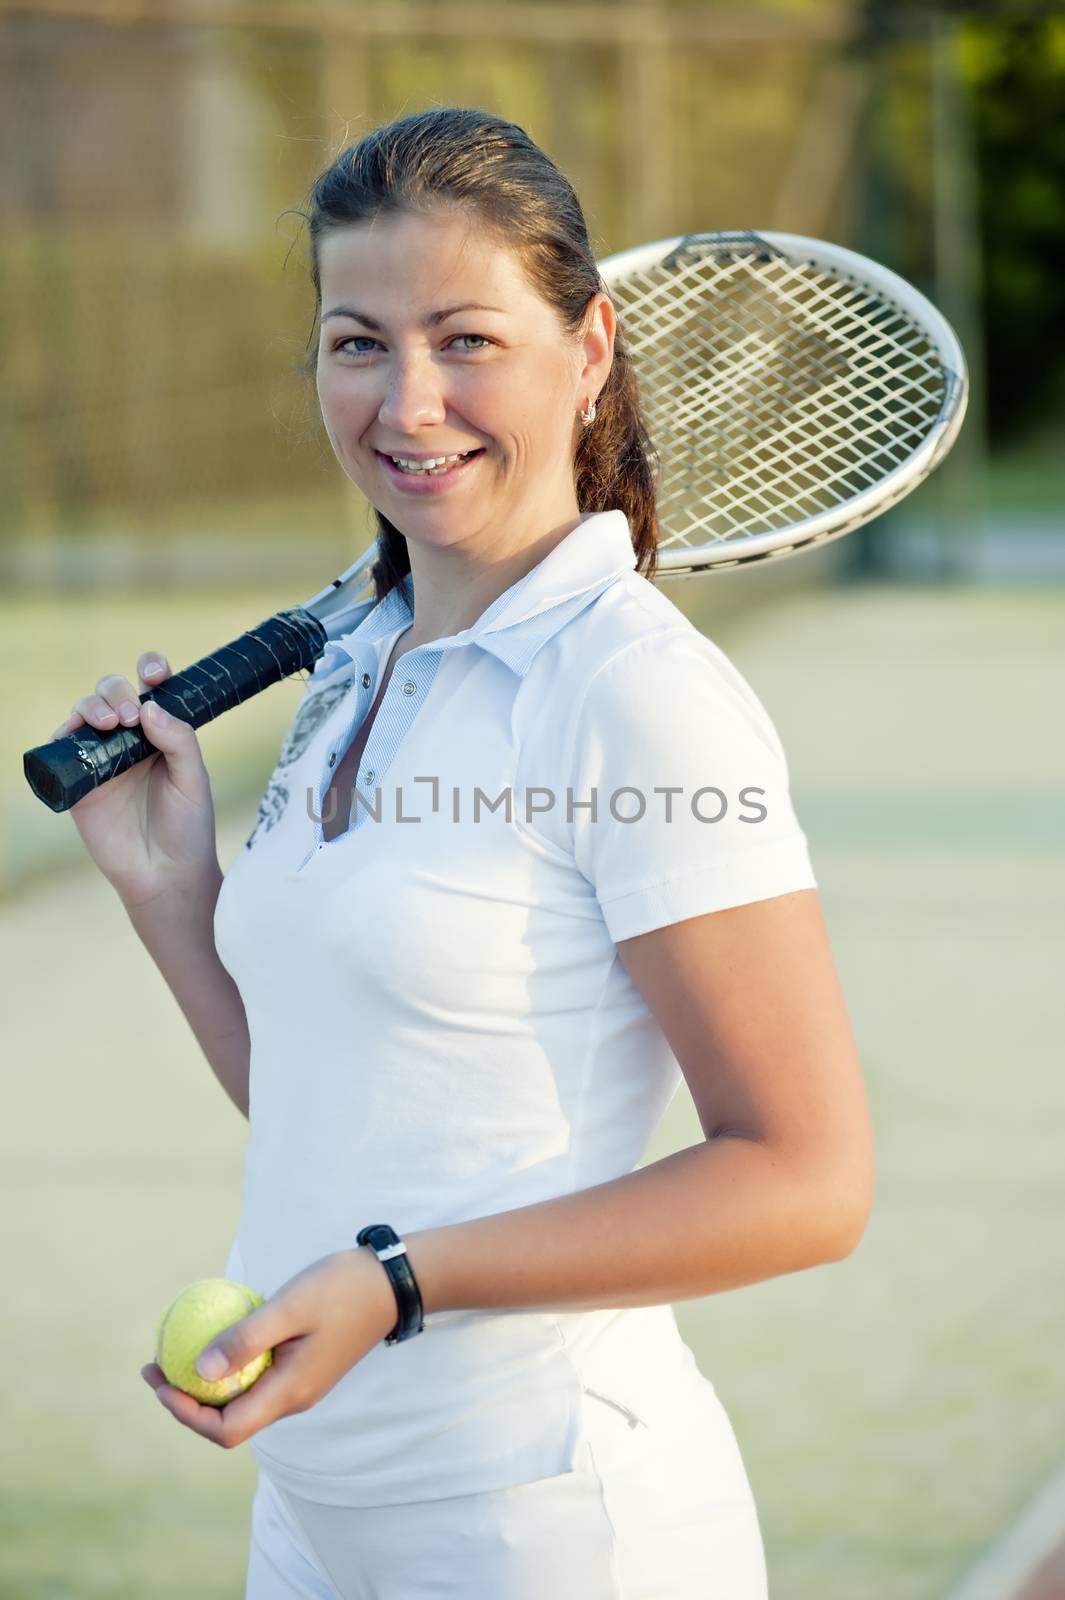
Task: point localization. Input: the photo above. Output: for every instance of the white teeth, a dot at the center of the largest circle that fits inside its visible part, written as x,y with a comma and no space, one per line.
435,465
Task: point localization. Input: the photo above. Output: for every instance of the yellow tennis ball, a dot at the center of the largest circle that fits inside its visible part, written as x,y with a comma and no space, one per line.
188,1325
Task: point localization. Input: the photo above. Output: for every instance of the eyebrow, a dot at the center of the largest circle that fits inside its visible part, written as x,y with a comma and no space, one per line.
429,321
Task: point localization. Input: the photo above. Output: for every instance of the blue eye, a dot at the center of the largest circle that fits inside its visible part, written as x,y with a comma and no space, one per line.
354,339
364,338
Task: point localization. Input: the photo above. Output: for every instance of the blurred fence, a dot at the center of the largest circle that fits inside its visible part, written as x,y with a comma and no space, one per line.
159,315
153,273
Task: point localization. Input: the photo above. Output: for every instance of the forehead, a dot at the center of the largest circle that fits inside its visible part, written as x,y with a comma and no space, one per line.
418,262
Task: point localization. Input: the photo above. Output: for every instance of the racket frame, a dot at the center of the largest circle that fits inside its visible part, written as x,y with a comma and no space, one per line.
853,512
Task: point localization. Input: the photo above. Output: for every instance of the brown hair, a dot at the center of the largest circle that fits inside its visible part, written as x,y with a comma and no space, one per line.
485,166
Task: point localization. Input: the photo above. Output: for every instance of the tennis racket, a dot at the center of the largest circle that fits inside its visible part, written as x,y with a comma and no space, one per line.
792,390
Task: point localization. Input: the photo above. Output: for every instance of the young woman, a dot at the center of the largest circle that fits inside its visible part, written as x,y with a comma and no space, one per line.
528,856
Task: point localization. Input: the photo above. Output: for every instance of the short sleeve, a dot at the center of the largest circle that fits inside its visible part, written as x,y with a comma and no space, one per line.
692,809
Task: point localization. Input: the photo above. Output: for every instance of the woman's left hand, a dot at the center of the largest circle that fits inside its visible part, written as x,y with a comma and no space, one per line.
319,1324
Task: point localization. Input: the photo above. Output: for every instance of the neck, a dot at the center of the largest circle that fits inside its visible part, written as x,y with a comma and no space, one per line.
453,588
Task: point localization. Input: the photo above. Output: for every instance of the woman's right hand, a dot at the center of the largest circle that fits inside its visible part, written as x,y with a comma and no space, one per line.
150,829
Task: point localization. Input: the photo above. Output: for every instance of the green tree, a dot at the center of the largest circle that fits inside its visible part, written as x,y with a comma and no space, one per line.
1014,64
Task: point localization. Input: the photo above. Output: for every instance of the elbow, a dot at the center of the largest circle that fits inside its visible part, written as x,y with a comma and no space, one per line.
847,1242
846,1214
838,1196
842,1180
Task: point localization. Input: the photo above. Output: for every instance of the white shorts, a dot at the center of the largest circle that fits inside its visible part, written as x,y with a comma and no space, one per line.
648,1514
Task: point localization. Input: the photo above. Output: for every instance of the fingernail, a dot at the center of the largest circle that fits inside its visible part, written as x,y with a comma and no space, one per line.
158,715
212,1364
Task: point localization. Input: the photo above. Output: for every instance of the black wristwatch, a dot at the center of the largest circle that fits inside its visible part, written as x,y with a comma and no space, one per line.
390,1250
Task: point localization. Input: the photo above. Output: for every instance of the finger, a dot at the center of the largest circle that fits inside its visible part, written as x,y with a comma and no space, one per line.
72,723
204,1420
152,668
269,1398
96,711
117,694
234,1347
187,1410
236,1421
271,1325
272,1396
177,740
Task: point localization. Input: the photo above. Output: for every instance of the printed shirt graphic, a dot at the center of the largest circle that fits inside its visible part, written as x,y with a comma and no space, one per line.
441,1026
308,719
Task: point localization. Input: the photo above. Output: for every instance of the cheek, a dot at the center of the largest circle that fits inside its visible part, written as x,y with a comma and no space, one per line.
327,398
334,395
528,401
540,421
347,410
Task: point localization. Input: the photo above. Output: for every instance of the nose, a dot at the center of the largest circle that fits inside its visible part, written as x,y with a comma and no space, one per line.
413,395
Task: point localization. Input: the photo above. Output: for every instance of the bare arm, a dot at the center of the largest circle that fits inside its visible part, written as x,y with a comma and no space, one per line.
177,930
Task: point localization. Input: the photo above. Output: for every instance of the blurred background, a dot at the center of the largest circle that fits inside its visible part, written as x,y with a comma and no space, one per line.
165,482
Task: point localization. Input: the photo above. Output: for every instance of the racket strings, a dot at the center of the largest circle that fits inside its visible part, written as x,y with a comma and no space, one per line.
773,391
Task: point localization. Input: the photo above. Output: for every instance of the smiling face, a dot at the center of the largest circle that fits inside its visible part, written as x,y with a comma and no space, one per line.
500,382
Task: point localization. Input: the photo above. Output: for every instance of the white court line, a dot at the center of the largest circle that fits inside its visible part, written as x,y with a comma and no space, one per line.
1014,1559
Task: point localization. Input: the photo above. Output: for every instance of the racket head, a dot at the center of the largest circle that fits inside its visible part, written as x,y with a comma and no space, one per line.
793,390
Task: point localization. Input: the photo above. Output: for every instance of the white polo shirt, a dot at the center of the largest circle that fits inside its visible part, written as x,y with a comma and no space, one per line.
441,1026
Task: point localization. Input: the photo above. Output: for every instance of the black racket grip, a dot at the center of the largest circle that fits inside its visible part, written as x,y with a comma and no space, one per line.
62,772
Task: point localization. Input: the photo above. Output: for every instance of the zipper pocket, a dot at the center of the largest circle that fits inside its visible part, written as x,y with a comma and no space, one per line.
634,1420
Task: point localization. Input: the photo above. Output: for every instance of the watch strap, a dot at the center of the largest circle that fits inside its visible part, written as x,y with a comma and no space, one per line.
390,1250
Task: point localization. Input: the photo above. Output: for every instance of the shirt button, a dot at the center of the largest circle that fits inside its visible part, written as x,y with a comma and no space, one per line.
371,775
366,680
408,687
332,759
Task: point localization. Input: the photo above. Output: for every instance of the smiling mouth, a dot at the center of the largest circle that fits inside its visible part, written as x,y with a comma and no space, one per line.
432,467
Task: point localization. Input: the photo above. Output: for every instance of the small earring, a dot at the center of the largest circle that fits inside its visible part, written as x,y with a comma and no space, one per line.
589,415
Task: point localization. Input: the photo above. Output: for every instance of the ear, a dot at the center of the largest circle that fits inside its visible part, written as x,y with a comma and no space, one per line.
597,346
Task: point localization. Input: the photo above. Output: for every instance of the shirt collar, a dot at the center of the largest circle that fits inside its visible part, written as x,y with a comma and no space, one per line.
524,617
